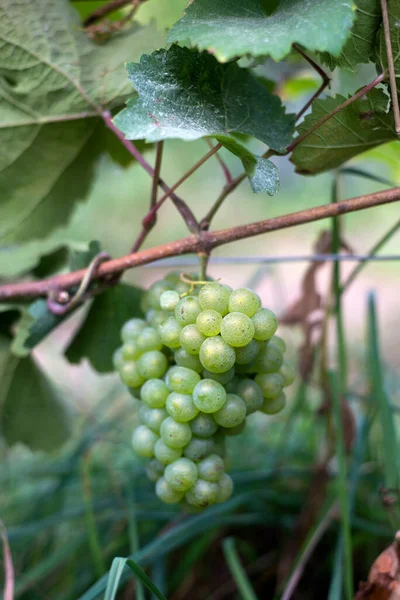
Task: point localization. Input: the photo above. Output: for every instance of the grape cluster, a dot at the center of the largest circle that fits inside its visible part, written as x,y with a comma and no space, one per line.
203,359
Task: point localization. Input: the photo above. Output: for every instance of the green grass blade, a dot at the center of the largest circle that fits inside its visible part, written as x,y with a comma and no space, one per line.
117,567
335,588
90,519
238,573
366,175
141,575
134,536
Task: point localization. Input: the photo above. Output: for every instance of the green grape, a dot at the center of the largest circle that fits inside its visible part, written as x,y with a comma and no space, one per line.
222,378
203,425
251,395
232,431
214,296
154,470
169,300
211,468
209,396
154,418
265,324
237,329
208,322
148,339
216,356
248,353
130,374
270,360
271,406
152,365
165,454
242,370
170,331
173,277
181,407
232,413
155,393
174,434
271,384
182,287
278,342
131,329
225,488
118,359
182,380
191,339
130,351
186,310
155,291
198,448
288,373
143,410
231,386
156,317
181,475
143,441
202,494
244,301
190,361
166,493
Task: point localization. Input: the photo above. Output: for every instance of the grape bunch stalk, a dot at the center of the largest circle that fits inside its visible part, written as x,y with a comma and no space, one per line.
204,358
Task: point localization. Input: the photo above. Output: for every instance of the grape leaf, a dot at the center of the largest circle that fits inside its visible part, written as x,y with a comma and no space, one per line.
54,83
36,323
359,127
232,28
99,335
360,46
188,95
31,410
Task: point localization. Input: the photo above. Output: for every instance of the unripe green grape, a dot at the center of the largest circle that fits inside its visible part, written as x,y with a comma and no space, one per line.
181,475
271,406
170,331
245,301
156,317
232,431
182,380
187,310
148,339
198,448
269,360
118,359
143,441
190,361
155,291
154,470
248,353
143,410
152,365
191,339
181,407
155,393
202,494
243,370
166,493
154,417
214,296
203,426
237,329
225,488
173,277
251,395
216,356
231,386
271,384
169,300
209,322
211,468
288,373
209,395
131,329
232,413
278,342
130,350
165,454
222,378
182,287
174,434
130,374
265,324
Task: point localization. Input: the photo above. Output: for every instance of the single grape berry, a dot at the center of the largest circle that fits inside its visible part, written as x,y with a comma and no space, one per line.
131,329
148,339
130,374
130,350
191,339
156,317
143,441
170,332
278,342
118,359
211,468
232,413
271,384
251,395
152,365
209,322
182,380
190,361
214,296
223,378
181,475
154,418
166,492
198,448
187,310
169,300
237,329
216,355
271,406
165,454
269,360
245,301
181,407
288,373
203,426
202,494
248,353
174,434
155,393
225,488
154,470
209,396
265,324
155,291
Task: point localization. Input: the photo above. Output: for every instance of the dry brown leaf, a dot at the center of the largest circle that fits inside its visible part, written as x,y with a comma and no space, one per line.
384,577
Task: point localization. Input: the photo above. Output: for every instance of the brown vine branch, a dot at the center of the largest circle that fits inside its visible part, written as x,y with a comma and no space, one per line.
109,8
222,163
325,80
204,242
391,69
227,190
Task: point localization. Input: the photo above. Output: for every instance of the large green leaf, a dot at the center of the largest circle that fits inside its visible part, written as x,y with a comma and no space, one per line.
54,83
231,28
188,95
99,335
31,411
359,127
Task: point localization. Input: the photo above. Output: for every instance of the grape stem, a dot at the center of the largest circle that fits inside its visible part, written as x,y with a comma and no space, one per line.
203,242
